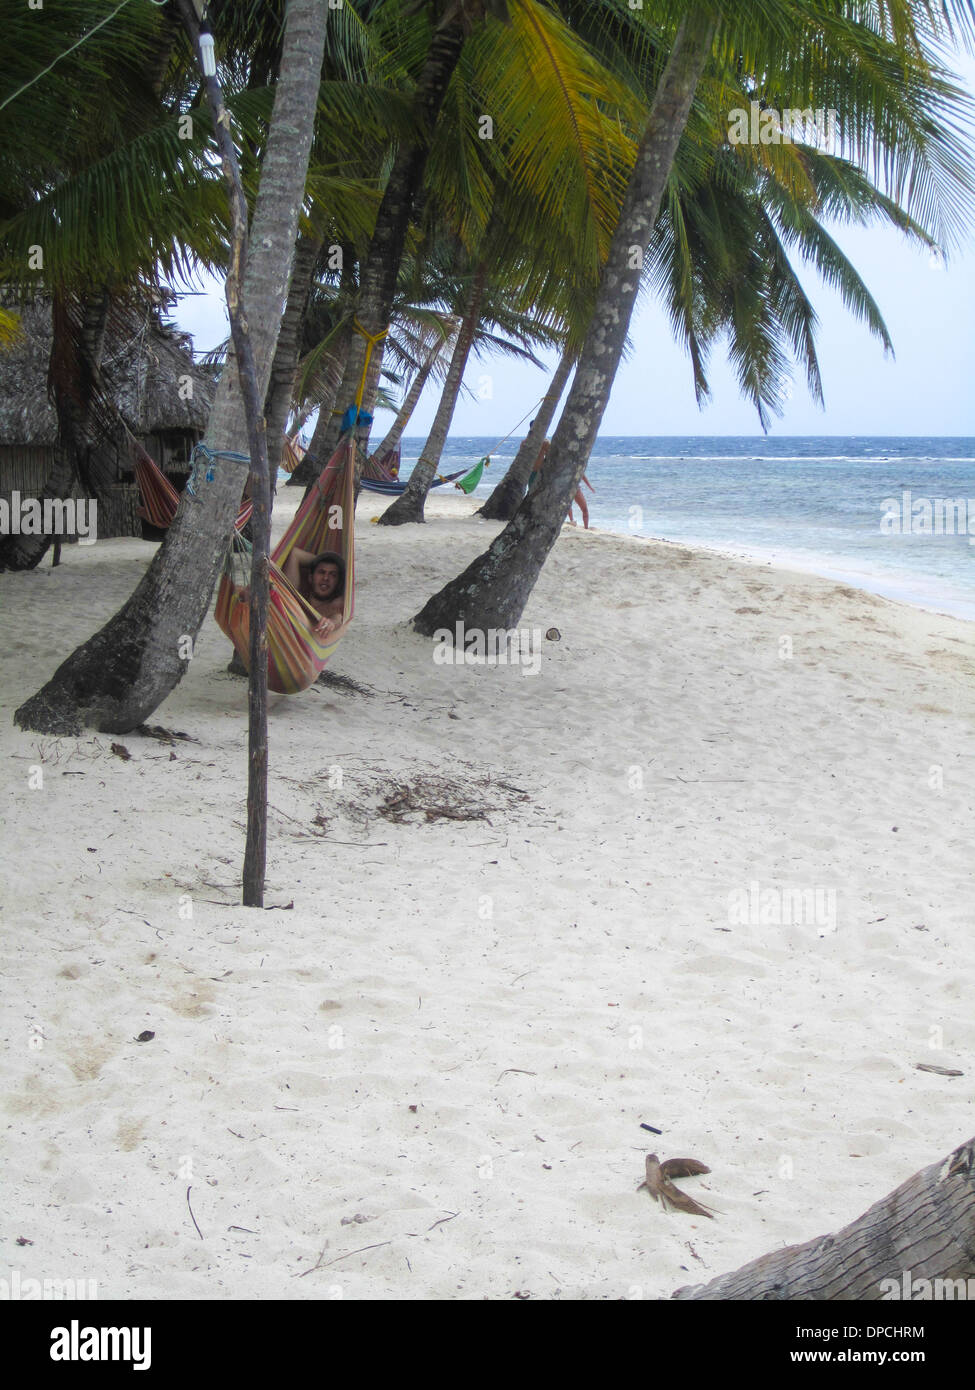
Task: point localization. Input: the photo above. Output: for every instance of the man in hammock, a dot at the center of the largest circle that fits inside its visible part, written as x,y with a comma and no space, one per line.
321,580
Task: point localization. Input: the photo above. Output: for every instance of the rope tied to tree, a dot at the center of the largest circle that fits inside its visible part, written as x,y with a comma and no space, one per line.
371,340
203,460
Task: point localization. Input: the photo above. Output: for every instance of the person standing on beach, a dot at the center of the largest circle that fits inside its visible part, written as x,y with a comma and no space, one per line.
579,500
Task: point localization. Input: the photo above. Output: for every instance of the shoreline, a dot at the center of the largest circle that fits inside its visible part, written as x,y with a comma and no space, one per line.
962,609
450,506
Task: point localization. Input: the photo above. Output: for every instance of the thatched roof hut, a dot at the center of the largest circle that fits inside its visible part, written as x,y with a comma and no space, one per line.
163,396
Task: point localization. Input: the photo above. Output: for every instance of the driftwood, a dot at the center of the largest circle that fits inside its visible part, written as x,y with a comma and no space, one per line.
921,1233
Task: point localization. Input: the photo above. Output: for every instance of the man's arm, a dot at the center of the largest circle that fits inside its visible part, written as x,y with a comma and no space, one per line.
293,564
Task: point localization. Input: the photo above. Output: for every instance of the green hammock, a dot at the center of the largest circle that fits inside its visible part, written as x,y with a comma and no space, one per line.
470,480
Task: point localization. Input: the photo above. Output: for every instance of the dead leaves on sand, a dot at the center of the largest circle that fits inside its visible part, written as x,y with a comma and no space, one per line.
658,1183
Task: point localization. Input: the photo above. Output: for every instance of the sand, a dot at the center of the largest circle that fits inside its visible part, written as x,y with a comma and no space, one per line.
422,1072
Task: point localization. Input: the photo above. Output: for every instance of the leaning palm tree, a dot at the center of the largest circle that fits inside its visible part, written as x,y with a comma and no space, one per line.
122,673
557,126
896,106
449,22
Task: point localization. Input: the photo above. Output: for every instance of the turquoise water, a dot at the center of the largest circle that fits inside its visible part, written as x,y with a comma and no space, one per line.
810,503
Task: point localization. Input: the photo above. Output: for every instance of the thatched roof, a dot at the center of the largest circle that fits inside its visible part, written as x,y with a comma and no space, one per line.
142,368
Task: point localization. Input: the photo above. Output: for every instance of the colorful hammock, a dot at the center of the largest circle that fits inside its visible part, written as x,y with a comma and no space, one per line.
383,470
324,521
292,454
160,500
374,481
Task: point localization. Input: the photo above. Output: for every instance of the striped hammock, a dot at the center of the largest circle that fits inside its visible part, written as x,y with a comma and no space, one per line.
160,500
382,470
292,454
324,521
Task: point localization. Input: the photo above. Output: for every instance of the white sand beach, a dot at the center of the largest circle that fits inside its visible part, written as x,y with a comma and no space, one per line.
423,1073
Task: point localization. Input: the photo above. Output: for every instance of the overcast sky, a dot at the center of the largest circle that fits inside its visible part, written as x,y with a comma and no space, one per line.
926,388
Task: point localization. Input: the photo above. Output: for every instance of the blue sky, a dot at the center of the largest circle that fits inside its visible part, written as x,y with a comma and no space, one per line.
926,388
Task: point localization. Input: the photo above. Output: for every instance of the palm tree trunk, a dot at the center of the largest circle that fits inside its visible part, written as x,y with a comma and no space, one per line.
410,402
409,505
492,592
506,497
286,354
117,678
377,285
325,438
925,1230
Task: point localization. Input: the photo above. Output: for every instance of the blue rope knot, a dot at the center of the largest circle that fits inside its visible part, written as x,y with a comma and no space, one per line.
201,456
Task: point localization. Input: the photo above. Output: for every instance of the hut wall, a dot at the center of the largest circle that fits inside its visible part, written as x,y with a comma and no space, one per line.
25,468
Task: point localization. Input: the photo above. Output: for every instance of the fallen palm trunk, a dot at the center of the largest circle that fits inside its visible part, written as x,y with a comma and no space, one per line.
916,1238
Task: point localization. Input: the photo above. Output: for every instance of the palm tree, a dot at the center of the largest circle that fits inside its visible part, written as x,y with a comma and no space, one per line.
558,120
452,22
874,83
411,399
488,318
122,673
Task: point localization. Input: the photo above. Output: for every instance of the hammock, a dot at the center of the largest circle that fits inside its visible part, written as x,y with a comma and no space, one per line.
383,470
391,486
160,500
292,454
469,483
324,521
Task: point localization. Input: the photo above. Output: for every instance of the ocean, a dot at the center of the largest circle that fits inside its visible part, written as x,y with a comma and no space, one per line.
869,511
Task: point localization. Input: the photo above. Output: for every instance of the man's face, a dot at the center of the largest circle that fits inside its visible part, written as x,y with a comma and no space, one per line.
325,581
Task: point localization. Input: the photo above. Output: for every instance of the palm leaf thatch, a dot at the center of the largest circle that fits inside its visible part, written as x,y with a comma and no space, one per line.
150,378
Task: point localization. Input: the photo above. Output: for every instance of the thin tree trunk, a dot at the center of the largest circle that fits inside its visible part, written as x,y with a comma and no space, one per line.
377,284
506,497
255,851
325,437
280,394
411,400
116,679
492,592
925,1230
409,505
